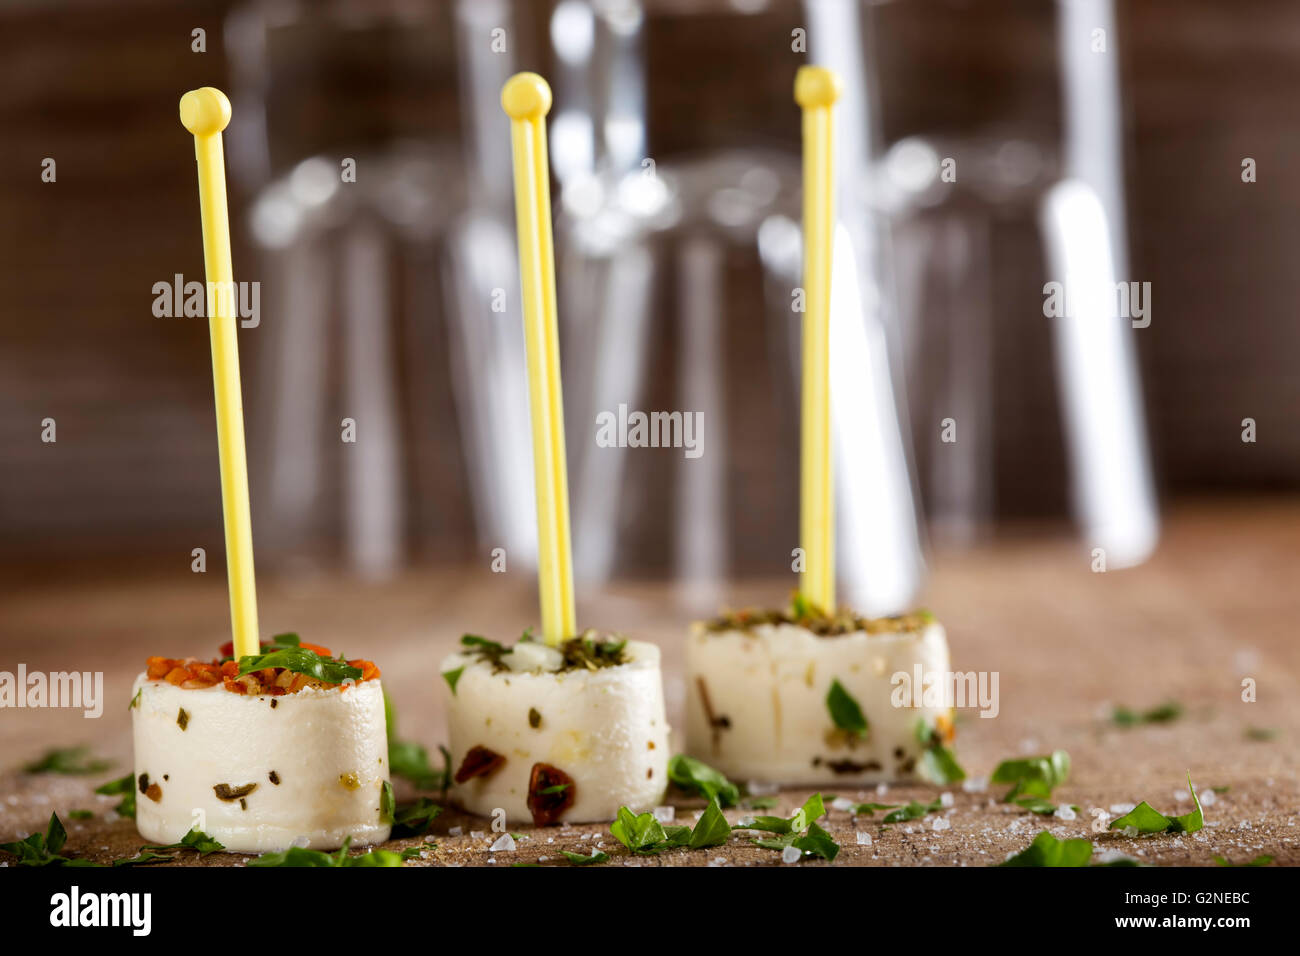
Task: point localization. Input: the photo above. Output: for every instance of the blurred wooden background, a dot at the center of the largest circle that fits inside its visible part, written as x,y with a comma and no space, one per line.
134,471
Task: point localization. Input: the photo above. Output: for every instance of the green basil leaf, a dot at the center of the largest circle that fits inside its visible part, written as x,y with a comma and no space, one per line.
695,776
844,710
300,660
577,859
1047,850
1145,817
712,828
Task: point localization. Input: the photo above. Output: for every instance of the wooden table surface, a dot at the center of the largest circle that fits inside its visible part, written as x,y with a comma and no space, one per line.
1218,603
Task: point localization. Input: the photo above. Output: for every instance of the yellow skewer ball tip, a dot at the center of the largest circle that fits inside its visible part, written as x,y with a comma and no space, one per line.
526,96
205,111
816,86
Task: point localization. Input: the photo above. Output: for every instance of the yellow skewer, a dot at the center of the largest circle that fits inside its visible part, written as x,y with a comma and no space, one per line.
816,89
527,99
205,113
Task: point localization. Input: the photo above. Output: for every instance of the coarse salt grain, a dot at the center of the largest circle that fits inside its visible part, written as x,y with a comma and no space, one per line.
942,823
1066,812
477,834
665,814
504,842
455,831
842,803
946,799
864,839
791,855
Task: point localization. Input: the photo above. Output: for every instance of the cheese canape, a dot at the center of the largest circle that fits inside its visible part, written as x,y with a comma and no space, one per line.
808,699
556,734
293,753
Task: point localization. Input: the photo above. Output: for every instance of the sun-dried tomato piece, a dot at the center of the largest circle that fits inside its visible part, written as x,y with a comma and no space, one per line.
479,762
550,793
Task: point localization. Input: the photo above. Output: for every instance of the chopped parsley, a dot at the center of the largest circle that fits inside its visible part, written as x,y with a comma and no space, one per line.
913,811
695,776
1047,850
869,809
643,834
195,840
123,787
1261,860
938,764
453,677
577,859
299,857
42,849
799,831
75,761
1166,712
416,818
1032,780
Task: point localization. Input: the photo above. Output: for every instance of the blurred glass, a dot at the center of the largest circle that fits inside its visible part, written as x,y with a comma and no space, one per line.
985,163
390,299
677,281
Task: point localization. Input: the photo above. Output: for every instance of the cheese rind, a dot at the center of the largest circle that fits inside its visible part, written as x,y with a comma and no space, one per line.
756,703
605,728
318,760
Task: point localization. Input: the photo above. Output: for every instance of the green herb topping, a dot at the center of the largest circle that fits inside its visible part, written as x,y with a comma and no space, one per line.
802,613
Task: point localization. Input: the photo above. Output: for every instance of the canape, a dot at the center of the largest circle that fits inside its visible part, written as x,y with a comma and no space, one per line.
556,734
801,698
284,749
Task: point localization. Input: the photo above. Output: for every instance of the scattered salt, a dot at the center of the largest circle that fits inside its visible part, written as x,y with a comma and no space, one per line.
945,799
1121,808
758,788
1209,798
1130,831
881,789
942,823
842,803
975,784
791,855
665,814
1066,812
864,839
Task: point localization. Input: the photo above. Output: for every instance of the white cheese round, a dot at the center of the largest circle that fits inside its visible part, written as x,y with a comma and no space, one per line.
606,729
757,710
316,760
